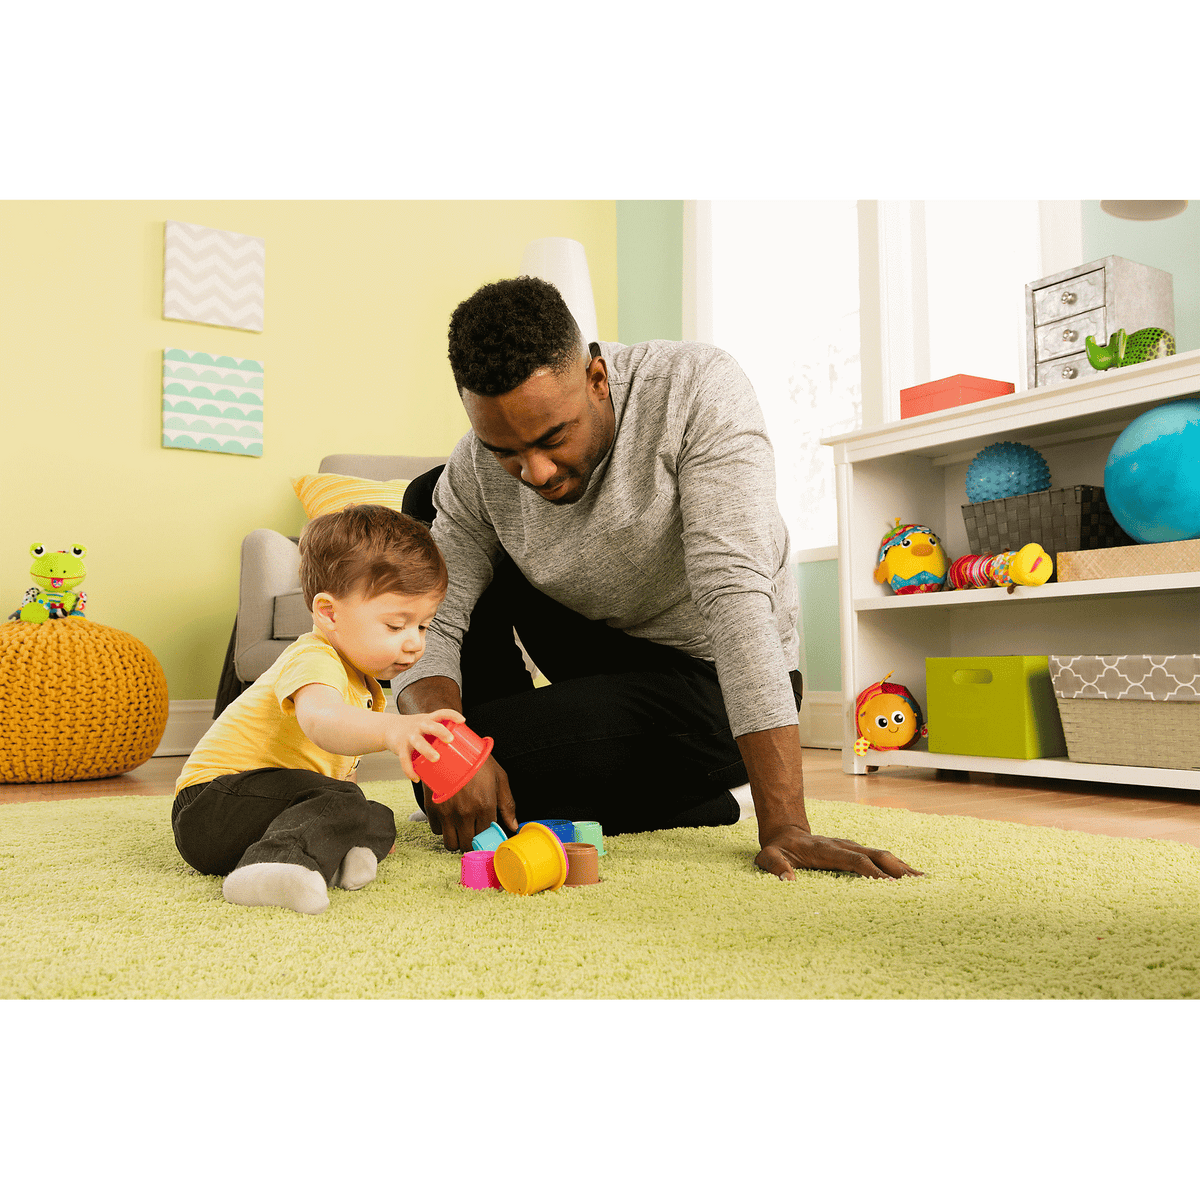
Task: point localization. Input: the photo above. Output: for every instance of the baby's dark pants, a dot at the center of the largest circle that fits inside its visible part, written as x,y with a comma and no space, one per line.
280,815
629,733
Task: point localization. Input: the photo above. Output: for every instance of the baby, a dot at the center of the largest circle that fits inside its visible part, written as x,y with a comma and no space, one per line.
268,797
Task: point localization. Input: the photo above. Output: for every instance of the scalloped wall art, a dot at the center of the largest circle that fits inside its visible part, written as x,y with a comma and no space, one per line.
212,402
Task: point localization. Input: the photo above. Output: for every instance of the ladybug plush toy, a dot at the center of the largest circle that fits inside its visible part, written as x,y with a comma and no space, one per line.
887,717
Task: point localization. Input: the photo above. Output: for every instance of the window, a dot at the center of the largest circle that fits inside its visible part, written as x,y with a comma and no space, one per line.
784,288
776,283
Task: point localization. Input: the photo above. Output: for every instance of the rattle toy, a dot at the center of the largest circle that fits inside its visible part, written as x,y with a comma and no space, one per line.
56,575
887,717
1030,566
911,559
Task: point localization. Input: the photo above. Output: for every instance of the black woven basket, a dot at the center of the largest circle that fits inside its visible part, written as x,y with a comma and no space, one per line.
1074,518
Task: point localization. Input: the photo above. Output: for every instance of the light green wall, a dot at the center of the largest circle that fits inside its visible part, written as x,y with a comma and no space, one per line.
818,586
649,270
1172,244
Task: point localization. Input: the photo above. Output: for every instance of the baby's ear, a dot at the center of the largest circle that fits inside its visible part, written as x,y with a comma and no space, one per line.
323,611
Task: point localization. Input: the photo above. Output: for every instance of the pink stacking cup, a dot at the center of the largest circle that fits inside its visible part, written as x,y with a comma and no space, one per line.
478,870
459,761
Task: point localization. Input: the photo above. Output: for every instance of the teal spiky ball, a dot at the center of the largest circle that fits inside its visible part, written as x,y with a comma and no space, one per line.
1006,469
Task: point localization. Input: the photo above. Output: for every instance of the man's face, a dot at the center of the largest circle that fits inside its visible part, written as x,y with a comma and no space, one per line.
551,431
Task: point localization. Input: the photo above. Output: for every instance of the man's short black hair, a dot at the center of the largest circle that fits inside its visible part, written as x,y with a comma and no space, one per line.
507,330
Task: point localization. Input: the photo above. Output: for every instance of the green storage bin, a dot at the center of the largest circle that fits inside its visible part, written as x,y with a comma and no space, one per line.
1000,707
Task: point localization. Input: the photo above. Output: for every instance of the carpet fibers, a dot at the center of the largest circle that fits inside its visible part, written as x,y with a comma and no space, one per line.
95,902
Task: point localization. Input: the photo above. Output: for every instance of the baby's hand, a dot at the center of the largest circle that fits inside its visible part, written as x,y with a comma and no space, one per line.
411,734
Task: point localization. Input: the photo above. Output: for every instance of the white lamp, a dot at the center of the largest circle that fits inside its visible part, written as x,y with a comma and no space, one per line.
1143,210
563,262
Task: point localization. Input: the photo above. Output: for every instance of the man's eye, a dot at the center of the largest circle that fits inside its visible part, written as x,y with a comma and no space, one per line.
553,445
395,628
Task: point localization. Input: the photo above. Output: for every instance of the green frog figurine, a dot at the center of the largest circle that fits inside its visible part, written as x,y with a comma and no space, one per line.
1124,349
56,575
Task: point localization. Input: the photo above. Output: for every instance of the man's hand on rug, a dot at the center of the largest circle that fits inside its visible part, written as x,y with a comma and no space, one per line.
794,849
482,800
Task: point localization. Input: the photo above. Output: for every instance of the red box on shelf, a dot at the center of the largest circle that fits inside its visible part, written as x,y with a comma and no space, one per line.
950,393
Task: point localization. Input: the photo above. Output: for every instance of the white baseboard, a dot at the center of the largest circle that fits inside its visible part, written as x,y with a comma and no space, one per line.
821,720
187,722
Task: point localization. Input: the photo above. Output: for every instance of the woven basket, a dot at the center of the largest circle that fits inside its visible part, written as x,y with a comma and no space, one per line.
1132,733
1074,518
82,701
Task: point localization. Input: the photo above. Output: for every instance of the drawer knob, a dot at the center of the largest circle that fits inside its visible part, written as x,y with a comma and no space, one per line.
1068,297
1070,335
1069,372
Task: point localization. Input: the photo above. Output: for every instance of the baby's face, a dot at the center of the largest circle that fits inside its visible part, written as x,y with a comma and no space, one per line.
385,635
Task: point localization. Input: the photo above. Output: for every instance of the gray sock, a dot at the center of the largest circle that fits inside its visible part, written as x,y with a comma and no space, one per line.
357,869
281,885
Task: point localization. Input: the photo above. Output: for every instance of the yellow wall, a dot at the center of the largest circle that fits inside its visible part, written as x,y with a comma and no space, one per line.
358,296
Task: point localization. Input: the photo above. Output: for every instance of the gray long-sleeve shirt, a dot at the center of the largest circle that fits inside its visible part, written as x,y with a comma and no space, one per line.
677,539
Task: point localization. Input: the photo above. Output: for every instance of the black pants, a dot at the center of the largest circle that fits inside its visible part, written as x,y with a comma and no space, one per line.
630,733
278,815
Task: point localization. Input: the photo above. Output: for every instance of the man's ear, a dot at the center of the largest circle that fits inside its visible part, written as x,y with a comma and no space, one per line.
597,373
324,611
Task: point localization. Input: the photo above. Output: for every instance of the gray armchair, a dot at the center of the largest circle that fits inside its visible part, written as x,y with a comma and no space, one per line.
271,611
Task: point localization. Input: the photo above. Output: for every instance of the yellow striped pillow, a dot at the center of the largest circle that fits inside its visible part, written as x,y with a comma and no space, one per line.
322,494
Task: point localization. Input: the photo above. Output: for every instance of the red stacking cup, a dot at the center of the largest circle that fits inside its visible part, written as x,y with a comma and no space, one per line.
459,761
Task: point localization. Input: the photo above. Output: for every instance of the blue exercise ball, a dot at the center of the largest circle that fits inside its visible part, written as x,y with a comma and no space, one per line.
1152,477
1006,469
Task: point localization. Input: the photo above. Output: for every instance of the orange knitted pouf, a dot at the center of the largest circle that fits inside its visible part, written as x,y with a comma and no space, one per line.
79,701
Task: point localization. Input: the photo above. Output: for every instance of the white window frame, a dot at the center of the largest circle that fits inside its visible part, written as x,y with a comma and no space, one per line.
893,289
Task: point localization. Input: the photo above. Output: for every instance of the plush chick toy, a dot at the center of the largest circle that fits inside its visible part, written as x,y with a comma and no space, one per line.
911,559
1030,566
56,575
887,717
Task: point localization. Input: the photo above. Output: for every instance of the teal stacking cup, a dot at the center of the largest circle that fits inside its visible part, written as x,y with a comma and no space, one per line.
489,839
590,831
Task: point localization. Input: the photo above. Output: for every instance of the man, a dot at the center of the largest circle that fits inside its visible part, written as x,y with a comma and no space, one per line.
616,506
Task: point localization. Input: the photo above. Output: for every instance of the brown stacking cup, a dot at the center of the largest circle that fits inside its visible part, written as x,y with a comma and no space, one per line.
583,864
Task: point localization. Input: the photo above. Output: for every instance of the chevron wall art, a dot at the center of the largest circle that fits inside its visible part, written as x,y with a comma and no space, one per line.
212,402
213,276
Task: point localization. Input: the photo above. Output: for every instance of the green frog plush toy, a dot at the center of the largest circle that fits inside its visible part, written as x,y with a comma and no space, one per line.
56,575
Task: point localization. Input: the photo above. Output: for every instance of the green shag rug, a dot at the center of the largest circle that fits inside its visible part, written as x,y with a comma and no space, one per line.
95,902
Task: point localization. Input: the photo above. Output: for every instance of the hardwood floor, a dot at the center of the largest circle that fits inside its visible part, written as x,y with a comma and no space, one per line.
1114,810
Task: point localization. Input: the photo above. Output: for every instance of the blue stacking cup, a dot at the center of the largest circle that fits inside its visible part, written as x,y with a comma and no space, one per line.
563,830
490,838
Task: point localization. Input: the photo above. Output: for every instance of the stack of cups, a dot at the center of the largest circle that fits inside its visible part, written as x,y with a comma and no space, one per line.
532,860
590,831
563,830
479,870
583,864
489,839
456,764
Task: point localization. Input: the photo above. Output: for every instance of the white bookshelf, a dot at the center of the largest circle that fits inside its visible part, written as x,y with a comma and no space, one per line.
916,470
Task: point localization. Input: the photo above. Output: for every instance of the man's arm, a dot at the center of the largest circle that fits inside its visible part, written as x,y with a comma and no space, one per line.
485,798
735,551
773,762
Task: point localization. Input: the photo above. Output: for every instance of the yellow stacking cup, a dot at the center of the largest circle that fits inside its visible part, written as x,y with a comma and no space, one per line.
532,860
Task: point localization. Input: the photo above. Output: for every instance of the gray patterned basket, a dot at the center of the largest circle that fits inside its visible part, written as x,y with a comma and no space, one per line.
1074,518
1134,710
